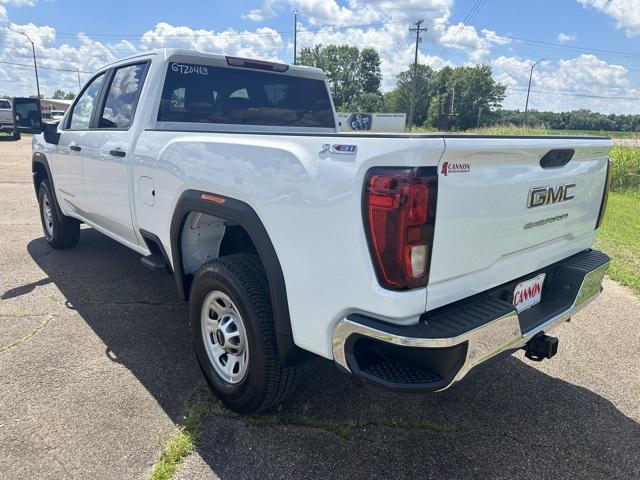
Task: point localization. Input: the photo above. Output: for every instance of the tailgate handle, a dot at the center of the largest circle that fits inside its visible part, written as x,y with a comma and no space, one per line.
557,158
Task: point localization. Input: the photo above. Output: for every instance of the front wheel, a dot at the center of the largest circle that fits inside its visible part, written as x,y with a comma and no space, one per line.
59,231
234,335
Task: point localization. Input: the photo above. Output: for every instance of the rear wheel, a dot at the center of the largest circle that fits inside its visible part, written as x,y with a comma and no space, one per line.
234,335
59,231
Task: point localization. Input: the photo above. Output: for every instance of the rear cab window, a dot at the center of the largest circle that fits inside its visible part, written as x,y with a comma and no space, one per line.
4,104
224,95
122,97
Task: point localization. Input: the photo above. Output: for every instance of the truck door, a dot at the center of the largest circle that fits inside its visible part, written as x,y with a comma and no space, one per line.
66,161
106,158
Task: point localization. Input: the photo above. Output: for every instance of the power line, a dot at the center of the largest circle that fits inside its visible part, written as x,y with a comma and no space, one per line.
567,94
465,24
41,67
218,34
470,15
446,51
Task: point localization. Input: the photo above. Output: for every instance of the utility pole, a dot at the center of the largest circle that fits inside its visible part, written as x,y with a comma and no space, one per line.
412,100
35,64
79,84
453,100
479,113
295,36
526,106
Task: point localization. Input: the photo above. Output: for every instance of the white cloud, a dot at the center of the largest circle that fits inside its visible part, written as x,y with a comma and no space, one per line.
625,12
264,42
18,3
492,37
359,12
4,18
583,75
566,37
261,14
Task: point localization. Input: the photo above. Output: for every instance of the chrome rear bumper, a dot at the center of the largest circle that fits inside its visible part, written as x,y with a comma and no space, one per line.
501,329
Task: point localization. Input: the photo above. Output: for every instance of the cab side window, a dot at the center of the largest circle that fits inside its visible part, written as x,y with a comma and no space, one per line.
122,97
81,115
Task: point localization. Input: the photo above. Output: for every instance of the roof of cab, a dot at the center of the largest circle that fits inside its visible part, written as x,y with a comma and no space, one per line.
168,53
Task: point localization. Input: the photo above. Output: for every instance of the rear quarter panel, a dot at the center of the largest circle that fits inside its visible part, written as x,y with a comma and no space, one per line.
309,203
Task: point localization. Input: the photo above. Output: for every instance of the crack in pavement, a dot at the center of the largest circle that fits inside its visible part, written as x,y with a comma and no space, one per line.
138,302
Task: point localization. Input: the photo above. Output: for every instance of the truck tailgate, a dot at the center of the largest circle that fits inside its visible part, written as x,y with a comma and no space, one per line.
501,214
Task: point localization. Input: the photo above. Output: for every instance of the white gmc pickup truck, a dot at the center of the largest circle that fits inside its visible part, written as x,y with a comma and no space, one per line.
406,259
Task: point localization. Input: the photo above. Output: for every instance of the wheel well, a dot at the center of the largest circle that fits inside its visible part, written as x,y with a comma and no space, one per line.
236,228
205,237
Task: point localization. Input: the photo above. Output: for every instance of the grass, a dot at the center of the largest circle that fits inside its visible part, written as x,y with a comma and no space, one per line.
197,409
625,173
516,130
619,237
201,404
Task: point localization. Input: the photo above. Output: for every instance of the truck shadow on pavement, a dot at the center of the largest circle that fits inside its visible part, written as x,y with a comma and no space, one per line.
505,420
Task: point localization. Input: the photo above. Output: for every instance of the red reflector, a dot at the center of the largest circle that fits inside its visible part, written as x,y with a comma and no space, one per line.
381,201
212,198
417,204
400,217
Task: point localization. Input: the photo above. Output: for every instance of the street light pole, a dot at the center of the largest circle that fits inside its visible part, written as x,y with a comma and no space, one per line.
35,64
526,106
295,35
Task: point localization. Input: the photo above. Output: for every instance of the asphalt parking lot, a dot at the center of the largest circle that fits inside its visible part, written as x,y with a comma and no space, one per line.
96,365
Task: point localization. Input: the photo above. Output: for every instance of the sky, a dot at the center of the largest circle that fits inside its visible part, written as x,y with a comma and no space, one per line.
590,49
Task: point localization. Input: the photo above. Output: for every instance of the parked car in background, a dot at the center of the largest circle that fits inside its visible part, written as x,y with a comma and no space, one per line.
20,114
56,115
6,116
52,115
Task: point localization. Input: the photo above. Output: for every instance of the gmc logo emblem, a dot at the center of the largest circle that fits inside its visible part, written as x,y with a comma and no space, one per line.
540,196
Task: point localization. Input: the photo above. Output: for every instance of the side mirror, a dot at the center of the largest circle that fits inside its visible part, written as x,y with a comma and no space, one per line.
27,115
51,134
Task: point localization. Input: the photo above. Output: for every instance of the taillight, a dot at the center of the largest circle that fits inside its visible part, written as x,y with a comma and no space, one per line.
399,208
605,195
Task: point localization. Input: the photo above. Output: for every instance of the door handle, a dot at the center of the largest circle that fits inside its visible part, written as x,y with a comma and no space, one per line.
117,153
75,148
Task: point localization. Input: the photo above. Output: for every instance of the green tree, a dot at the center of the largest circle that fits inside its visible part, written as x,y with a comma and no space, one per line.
370,102
370,70
471,90
349,71
62,95
399,99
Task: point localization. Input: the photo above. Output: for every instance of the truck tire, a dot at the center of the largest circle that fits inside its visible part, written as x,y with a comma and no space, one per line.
234,336
60,232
